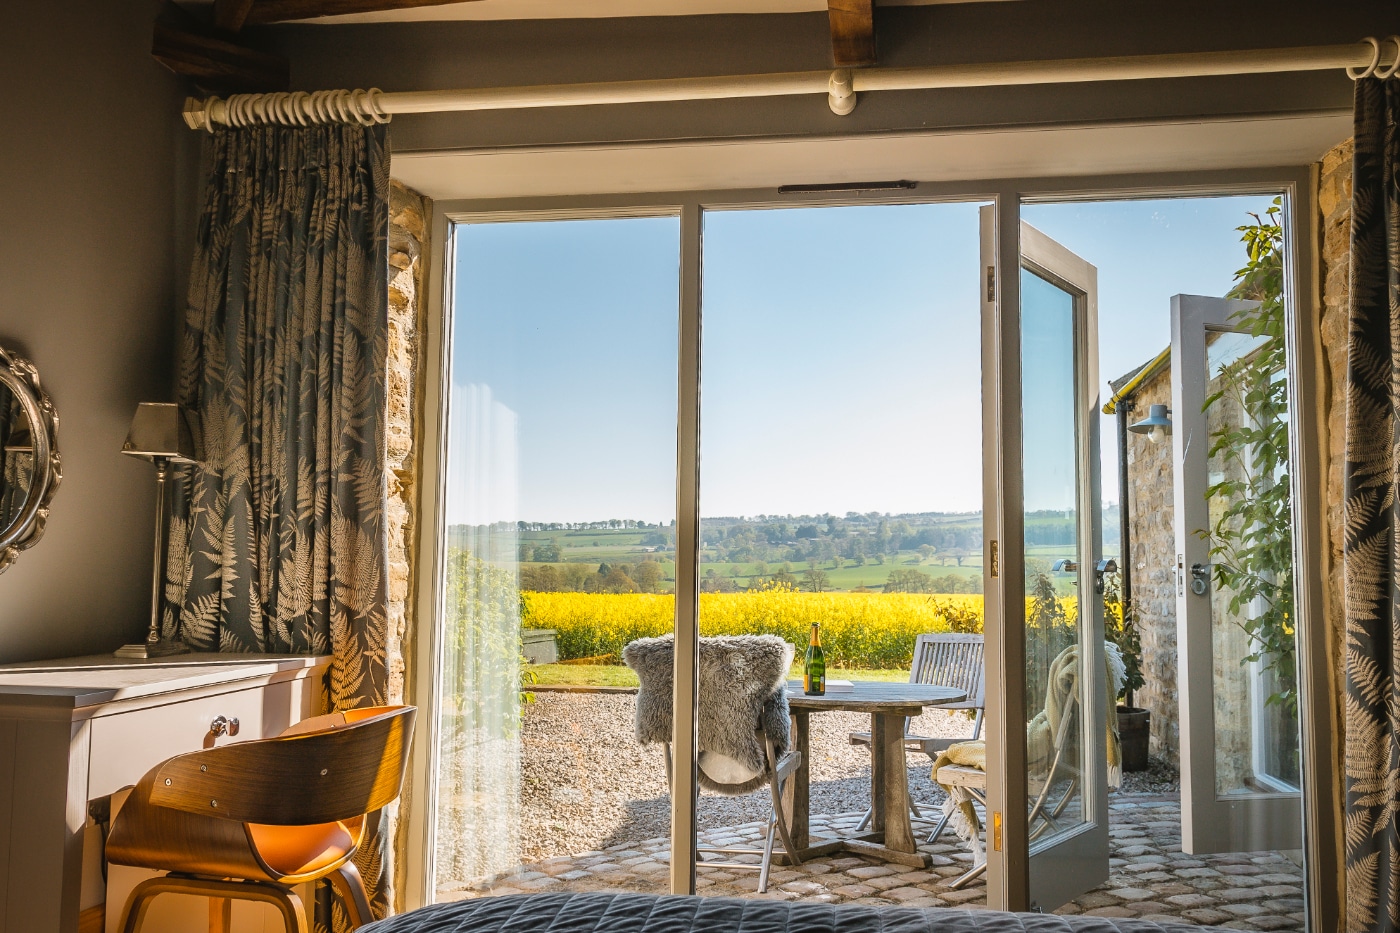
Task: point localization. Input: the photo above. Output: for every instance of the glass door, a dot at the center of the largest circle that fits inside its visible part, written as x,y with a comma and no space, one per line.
1064,708
1240,767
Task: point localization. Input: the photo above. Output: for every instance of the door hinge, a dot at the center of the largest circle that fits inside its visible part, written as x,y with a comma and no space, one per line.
996,831
991,283
994,560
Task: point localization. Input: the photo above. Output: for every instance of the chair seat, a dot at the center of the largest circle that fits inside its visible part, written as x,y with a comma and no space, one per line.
302,850
962,776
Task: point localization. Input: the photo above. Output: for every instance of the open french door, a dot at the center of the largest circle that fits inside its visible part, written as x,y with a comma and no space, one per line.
1240,769
1048,767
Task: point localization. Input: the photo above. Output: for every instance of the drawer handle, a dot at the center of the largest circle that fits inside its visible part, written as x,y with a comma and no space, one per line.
223,726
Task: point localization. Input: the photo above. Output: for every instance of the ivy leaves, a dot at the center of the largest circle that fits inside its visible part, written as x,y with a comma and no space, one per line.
1251,537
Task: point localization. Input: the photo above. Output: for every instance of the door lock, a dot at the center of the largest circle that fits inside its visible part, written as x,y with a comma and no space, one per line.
1102,568
1200,578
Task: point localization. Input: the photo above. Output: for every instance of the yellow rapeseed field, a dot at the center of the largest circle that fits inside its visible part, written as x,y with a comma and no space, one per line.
865,630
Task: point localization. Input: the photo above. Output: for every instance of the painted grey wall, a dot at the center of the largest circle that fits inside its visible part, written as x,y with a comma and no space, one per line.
92,155
413,56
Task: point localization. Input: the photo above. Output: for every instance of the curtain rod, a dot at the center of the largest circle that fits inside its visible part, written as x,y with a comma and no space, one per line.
297,108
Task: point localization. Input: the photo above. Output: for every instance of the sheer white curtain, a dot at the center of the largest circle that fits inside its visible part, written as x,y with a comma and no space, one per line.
478,821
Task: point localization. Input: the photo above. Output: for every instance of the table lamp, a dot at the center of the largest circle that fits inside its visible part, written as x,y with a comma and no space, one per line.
159,434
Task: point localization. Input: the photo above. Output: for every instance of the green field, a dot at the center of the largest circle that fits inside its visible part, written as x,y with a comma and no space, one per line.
768,546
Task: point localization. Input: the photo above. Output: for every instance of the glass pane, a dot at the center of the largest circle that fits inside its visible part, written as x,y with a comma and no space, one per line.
560,500
1050,467
1251,585
841,484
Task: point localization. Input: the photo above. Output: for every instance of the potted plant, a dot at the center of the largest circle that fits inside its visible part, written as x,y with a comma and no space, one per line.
1120,627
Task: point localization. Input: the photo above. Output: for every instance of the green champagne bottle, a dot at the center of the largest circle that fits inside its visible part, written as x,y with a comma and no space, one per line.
814,667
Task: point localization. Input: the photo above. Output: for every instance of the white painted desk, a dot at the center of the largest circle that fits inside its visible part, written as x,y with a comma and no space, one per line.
77,730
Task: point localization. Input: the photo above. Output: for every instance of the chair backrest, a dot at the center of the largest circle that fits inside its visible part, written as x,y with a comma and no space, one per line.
352,764
952,660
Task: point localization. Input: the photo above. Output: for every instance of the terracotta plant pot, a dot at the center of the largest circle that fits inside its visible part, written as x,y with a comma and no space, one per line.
1134,729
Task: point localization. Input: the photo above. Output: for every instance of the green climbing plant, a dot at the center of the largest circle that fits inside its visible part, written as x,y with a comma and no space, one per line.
1251,539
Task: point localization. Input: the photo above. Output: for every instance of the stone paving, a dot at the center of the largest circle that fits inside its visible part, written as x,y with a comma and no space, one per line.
1150,876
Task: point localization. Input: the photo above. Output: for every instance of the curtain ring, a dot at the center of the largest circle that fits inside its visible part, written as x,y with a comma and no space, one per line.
1384,73
1370,69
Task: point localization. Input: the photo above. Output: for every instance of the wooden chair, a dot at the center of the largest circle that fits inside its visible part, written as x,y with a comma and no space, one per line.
951,660
1043,814
248,821
757,723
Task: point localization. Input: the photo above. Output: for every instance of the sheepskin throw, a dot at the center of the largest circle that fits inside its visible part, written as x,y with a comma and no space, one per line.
742,678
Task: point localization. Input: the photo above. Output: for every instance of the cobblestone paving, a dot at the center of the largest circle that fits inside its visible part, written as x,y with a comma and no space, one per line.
1150,877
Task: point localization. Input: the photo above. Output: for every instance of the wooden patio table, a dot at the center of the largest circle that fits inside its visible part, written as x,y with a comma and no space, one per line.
892,835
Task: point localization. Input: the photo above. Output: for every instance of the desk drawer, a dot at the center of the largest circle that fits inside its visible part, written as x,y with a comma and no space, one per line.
127,745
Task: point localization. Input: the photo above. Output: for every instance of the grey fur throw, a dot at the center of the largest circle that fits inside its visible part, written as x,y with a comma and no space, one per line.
742,680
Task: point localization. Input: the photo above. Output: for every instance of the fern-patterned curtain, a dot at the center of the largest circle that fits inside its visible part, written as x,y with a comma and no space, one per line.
1371,551
277,540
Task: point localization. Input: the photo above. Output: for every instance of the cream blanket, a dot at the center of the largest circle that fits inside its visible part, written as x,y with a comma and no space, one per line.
1040,738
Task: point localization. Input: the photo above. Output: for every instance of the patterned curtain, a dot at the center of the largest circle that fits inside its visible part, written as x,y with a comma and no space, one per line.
1371,550
277,539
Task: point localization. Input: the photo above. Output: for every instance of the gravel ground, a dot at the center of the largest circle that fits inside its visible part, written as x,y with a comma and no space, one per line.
589,785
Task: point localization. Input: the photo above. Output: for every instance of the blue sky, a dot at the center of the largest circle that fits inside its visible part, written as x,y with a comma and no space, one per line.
841,366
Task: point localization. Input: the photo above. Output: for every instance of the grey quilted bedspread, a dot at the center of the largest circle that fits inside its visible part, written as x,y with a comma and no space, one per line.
600,912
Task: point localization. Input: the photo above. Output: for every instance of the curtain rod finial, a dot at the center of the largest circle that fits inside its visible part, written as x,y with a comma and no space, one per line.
196,114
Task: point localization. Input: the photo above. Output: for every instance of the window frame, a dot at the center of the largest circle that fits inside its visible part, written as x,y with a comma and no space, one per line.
1008,883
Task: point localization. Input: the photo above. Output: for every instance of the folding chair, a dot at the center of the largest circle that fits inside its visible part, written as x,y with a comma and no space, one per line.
746,675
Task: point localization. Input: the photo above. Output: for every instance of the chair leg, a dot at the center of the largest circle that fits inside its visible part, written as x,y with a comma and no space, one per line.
767,863
350,886
139,901
967,877
865,820
220,915
938,830
284,899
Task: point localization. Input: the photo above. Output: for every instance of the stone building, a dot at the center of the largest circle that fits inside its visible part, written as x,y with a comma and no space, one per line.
1150,546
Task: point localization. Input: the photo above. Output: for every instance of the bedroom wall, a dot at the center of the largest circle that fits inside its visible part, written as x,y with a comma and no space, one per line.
95,186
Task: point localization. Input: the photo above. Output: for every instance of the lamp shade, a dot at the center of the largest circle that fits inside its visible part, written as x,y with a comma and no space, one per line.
1157,424
158,430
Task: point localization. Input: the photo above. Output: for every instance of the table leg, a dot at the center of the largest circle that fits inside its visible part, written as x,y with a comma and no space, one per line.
890,783
797,792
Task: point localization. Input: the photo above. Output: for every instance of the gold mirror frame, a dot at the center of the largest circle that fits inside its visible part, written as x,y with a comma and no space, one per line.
19,376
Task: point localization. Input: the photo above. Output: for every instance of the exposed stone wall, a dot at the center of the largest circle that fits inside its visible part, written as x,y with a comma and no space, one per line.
408,258
408,240
1153,543
1334,211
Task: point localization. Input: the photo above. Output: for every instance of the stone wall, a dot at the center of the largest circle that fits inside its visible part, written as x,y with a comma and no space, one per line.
408,243
1334,212
1153,543
408,257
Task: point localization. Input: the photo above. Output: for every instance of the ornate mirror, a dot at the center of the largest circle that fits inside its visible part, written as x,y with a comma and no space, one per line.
29,464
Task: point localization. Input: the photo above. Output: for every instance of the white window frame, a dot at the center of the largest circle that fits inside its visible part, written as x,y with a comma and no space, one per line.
1008,877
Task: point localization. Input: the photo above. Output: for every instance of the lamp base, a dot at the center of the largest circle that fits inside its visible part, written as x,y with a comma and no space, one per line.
152,649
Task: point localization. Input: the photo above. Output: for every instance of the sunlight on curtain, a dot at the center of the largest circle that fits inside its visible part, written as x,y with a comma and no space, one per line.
478,814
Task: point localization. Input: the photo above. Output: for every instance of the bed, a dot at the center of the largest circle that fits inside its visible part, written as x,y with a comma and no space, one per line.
601,912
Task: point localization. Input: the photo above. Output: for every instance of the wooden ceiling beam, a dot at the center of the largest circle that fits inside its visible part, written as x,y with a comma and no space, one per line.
233,15
217,66
852,32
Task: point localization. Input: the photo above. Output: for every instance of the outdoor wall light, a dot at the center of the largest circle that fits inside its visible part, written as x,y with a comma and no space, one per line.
1157,424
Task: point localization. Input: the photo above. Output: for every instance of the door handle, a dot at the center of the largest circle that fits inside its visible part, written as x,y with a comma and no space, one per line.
1200,578
1102,568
